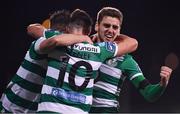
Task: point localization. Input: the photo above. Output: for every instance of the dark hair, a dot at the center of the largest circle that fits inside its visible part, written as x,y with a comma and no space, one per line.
109,11
59,20
81,19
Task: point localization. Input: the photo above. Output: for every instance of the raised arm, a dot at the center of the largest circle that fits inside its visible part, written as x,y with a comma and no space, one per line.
152,92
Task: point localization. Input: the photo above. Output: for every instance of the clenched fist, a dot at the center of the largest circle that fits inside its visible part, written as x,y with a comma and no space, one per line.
165,74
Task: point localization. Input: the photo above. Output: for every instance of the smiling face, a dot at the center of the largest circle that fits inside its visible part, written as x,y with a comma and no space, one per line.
108,28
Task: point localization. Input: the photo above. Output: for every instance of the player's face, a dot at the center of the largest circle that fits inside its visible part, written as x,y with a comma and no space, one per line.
108,28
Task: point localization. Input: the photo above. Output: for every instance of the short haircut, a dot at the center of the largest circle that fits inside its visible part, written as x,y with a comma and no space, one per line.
81,19
109,11
59,20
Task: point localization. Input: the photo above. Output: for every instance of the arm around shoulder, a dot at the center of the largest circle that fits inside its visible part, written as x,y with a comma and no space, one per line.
126,44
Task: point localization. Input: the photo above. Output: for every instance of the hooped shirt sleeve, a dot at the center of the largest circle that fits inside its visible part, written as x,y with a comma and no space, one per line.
47,34
131,68
108,49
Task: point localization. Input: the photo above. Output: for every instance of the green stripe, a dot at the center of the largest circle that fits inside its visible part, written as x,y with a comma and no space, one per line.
49,33
100,93
48,98
35,55
54,63
53,83
109,79
20,101
1,107
26,84
34,68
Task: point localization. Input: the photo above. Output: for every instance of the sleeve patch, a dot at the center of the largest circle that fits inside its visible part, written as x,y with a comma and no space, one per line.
110,46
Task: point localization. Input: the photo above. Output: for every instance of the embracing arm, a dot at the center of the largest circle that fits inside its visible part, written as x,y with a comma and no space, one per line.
62,40
126,44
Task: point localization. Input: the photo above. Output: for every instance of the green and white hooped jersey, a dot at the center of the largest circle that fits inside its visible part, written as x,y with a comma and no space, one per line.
112,74
23,92
68,86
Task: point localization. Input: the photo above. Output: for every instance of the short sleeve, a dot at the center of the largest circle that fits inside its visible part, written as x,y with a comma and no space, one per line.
131,68
108,49
49,33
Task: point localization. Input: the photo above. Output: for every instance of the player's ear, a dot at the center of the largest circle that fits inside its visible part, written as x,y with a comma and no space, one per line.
96,27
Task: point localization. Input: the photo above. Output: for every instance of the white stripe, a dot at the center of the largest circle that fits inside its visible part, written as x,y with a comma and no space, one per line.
37,45
44,31
40,62
116,49
136,75
59,108
94,64
114,72
11,107
100,102
53,72
29,76
48,90
106,86
25,94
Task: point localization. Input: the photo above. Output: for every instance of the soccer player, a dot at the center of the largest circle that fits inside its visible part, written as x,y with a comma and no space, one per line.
114,71
23,92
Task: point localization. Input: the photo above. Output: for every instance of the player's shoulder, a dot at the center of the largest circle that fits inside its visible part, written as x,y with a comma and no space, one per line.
50,32
124,57
109,46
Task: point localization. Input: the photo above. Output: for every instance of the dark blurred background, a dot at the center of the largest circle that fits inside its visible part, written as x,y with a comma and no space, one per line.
154,23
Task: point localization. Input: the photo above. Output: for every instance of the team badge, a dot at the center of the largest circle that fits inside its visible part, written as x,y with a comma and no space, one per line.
110,46
112,62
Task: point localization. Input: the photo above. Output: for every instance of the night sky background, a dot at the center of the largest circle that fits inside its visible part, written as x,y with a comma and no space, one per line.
154,23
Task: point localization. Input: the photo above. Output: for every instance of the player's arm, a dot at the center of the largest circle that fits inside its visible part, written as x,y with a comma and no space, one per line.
125,44
36,30
152,92
47,45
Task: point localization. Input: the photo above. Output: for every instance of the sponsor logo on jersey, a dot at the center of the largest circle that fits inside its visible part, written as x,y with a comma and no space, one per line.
68,95
87,47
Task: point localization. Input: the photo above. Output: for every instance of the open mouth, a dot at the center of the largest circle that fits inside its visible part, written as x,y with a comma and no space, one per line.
109,36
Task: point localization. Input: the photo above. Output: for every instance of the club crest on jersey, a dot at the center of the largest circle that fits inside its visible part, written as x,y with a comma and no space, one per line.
110,46
112,62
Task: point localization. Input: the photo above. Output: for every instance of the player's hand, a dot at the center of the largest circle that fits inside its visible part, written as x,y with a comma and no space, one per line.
35,30
165,74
